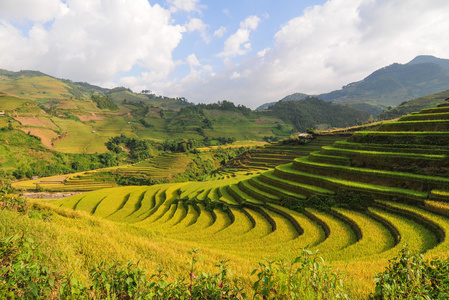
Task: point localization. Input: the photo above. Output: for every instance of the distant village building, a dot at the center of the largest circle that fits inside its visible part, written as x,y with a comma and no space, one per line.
305,136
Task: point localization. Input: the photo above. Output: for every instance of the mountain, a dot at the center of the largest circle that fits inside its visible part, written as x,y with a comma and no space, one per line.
292,97
393,84
313,112
414,105
430,59
77,117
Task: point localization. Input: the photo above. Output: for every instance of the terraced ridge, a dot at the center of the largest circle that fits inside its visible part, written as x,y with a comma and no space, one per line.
254,230
161,167
256,216
67,183
272,155
411,164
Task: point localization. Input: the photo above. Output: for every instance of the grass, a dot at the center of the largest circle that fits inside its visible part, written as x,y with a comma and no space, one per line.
426,149
258,194
341,236
80,138
376,238
352,152
236,215
203,221
435,138
441,223
426,117
393,178
281,193
292,185
240,196
416,236
336,184
427,125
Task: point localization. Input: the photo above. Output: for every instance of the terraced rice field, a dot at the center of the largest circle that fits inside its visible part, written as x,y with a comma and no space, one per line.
160,167
270,156
246,215
80,138
198,213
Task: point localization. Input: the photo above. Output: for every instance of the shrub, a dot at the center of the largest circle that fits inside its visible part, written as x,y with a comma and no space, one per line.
321,202
306,277
409,276
353,200
22,276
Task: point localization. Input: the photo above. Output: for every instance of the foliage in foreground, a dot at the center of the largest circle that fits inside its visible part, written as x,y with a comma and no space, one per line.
409,276
23,276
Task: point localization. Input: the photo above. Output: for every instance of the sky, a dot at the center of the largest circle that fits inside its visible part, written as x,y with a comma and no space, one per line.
249,52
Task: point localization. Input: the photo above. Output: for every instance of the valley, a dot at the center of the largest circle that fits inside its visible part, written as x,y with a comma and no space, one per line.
148,178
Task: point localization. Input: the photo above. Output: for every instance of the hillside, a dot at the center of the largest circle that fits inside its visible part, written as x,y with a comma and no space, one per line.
414,105
292,97
391,85
76,117
357,202
313,112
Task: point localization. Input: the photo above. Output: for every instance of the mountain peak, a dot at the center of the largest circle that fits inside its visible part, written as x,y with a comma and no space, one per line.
422,59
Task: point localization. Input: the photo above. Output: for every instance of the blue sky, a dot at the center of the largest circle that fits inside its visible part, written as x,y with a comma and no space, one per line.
247,51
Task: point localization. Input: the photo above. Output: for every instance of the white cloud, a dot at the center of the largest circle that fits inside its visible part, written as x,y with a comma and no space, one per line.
220,32
263,52
185,5
196,24
232,46
193,61
235,75
251,22
325,48
39,11
96,41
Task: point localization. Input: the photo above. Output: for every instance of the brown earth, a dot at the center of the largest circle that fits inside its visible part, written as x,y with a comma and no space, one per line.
36,122
46,135
92,117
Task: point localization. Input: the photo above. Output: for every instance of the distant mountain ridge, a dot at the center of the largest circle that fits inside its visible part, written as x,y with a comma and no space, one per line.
292,97
393,84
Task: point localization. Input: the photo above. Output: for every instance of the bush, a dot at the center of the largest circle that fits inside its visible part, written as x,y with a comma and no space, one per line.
22,276
409,276
321,202
353,200
306,277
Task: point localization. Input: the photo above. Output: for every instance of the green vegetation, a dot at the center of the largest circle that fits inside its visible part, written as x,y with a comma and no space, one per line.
414,105
104,102
310,112
396,83
409,276
357,202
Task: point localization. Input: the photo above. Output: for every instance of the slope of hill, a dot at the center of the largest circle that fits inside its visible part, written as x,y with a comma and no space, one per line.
316,113
391,85
292,97
356,201
79,118
414,105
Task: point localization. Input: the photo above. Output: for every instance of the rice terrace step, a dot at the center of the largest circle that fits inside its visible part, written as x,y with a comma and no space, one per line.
356,200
